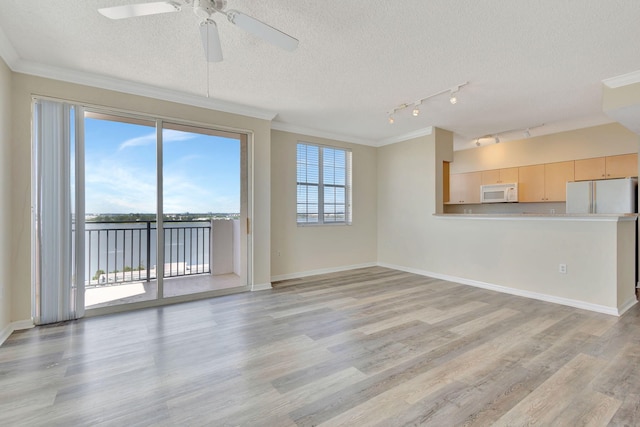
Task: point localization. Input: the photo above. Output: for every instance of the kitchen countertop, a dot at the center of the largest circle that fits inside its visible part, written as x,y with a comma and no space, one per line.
541,216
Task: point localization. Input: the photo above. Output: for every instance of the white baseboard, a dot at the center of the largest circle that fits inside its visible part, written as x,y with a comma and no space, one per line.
321,271
261,287
627,305
15,326
519,292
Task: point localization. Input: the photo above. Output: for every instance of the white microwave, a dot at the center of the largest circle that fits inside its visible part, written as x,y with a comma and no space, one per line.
499,193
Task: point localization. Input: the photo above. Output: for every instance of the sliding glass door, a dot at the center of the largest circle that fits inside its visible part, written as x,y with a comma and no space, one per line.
120,193
130,209
201,210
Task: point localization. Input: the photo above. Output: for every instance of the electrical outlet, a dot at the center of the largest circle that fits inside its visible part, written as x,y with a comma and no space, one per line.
562,268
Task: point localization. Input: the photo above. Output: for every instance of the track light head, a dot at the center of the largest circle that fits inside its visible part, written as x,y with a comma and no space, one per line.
527,134
478,142
454,96
497,139
391,119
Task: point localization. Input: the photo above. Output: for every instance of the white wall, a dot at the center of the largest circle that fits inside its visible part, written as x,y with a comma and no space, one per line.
19,202
222,248
6,254
300,250
518,254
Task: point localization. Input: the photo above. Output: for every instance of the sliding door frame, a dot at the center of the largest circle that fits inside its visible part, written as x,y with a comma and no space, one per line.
246,138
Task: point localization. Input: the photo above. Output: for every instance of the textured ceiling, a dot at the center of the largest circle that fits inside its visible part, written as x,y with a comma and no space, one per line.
527,62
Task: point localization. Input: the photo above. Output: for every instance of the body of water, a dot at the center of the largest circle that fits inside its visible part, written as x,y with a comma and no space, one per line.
126,251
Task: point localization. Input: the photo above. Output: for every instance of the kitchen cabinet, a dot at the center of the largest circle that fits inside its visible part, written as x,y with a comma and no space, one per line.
446,192
531,183
621,166
465,187
589,169
556,176
545,183
500,176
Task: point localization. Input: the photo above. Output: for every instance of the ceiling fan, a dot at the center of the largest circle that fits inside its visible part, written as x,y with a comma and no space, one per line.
205,9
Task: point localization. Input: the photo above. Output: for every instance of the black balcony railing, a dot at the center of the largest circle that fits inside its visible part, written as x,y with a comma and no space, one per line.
119,252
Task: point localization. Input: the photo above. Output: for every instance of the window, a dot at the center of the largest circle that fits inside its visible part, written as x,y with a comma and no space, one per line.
324,185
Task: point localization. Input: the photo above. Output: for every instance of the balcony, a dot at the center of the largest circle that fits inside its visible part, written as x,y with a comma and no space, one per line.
121,259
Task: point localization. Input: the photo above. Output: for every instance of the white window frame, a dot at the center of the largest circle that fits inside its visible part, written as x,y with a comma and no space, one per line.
321,187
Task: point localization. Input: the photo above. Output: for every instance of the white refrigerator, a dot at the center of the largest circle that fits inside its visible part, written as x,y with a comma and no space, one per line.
609,196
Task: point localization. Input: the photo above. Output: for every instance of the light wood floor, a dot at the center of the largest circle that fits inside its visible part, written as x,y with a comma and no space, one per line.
366,347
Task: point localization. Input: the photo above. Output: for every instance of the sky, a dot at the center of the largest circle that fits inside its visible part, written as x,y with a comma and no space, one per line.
201,173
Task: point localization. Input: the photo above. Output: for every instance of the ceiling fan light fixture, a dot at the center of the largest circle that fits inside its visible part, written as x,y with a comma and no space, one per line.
208,28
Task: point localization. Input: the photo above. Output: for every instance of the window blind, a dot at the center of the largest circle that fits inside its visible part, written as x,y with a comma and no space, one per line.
323,185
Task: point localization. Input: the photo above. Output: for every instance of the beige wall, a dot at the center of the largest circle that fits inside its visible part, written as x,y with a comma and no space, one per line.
397,188
310,248
622,104
584,143
518,254
25,86
620,97
6,254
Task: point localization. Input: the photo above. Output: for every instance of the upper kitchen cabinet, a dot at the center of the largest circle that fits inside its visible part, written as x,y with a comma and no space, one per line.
623,166
500,176
531,184
589,169
465,187
545,183
556,176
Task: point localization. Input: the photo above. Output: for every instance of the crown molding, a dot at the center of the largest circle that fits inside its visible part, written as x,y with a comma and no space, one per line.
288,127
405,137
7,51
623,80
140,89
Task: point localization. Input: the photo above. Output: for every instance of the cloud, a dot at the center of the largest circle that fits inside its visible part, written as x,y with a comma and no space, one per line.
115,188
168,135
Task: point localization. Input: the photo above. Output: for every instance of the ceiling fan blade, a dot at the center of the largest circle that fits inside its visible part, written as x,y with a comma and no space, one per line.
262,30
140,9
211,41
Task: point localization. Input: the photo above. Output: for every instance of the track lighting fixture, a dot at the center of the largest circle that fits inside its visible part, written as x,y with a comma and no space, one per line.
496,136
453,98
391,119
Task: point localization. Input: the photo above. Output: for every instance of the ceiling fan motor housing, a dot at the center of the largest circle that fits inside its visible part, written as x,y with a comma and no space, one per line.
206,8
